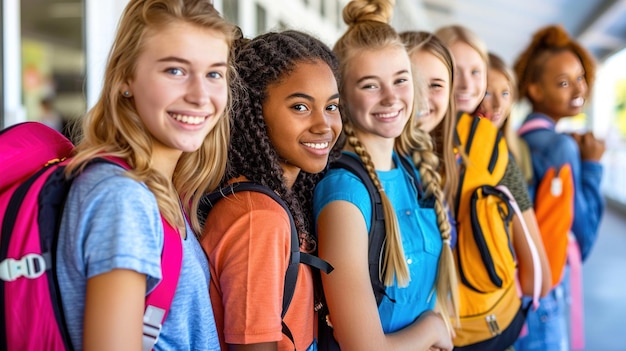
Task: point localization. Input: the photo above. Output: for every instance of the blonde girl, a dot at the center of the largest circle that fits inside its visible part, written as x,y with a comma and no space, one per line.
380,128
163,112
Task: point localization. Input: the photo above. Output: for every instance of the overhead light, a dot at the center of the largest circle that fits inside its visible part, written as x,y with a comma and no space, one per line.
66,10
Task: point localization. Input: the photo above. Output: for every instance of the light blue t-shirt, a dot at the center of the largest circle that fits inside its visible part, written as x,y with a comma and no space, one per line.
420,234
111,221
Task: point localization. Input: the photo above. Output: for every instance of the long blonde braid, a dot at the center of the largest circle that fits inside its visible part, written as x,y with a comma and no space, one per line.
418,144
394,263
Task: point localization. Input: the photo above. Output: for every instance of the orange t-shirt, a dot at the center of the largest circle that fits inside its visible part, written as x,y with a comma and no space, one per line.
247,239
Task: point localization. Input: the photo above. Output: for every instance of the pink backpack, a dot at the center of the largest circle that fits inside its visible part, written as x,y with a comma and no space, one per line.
33,189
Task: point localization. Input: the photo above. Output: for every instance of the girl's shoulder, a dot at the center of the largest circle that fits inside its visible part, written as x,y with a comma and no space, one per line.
109,178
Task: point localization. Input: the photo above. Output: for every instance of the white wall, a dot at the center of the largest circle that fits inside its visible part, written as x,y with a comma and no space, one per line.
11,71
101,19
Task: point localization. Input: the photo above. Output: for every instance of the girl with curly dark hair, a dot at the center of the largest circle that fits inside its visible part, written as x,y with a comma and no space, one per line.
285,122
555,74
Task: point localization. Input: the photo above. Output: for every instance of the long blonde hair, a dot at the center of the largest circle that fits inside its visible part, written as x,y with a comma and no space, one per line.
443,133
369,29
113,127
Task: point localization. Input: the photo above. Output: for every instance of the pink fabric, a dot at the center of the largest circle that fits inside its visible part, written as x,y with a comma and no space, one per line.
537,123
533,249
35,312
171,262
577,335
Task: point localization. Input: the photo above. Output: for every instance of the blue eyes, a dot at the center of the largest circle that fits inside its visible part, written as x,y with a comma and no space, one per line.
215,75
175,71
180,72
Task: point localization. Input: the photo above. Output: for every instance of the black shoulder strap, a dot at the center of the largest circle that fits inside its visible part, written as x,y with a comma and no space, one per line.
377,227
296,257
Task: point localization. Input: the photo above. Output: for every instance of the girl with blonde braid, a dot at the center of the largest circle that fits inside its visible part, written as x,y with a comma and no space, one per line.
380,129
436,65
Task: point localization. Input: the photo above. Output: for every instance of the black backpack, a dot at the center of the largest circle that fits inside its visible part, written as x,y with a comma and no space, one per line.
296,257
326,340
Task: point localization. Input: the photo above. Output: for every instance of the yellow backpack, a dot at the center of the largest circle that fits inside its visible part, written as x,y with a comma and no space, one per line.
490,312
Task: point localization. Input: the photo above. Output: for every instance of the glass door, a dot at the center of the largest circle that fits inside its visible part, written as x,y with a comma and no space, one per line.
53,61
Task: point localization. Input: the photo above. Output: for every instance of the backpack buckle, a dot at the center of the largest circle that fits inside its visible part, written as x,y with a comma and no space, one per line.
152,319
492,323
31,266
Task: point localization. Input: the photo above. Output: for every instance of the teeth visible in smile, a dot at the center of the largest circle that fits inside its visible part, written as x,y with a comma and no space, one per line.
387,115
188,119
578,102
318,146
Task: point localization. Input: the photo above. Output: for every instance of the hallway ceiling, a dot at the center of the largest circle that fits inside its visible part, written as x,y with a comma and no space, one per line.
507,26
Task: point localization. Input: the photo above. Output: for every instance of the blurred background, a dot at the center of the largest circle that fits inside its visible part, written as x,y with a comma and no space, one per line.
52,55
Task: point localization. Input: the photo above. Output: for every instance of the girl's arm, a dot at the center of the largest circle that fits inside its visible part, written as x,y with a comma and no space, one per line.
343,242
588,199
524,258
114,307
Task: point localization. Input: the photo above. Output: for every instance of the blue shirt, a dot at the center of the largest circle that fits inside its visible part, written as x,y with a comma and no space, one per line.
111,221
420,234
551,149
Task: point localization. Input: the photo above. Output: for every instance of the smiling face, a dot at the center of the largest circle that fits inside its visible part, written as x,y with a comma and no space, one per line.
379,97
179,86
561,89
498,101
470,81
302,116
436,73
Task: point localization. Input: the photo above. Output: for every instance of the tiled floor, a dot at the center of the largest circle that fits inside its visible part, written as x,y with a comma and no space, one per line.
604,275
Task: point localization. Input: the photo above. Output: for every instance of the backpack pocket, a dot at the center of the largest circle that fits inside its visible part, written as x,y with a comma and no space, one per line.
486,260
554,209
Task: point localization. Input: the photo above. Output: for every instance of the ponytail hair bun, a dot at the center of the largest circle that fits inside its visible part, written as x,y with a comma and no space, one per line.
357,11
550,40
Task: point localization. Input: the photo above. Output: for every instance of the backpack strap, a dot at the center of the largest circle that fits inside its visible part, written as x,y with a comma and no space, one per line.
377,226
296,257
534,124
531,244
159,300
574,260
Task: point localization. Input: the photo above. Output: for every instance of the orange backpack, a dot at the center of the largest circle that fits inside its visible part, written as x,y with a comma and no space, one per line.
554,207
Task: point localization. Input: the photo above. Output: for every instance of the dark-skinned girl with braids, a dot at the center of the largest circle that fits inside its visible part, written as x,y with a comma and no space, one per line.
285,122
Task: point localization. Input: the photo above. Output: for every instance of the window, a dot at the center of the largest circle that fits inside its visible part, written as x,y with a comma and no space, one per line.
231,10
339,12
323,9
261,19
53,60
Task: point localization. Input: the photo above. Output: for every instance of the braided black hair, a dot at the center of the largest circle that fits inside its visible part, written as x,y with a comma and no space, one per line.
261,62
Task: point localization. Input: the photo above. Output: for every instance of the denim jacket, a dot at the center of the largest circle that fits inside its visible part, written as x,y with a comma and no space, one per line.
551,149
